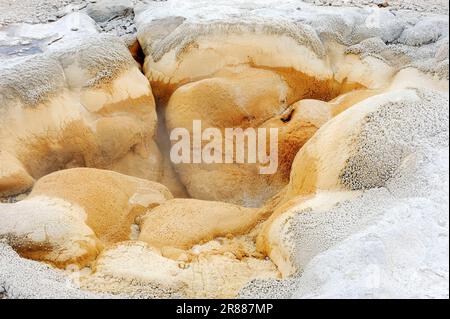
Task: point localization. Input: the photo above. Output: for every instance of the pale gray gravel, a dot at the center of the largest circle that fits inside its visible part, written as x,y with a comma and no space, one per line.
34,280
34,11
42,11
434,6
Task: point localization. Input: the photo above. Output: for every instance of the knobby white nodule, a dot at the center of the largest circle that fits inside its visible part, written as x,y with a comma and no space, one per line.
236,145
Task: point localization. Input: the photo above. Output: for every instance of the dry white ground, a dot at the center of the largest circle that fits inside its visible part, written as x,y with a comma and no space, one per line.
41,11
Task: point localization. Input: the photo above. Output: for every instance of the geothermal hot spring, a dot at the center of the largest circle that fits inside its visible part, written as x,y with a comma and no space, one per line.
93,205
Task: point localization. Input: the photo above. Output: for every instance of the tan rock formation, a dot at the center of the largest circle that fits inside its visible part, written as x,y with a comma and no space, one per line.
332,84
229,74
82,106
14,179
318,169
183,223
233,64
274,240
360,149
49,230
321,164
111,201
244,97
71,214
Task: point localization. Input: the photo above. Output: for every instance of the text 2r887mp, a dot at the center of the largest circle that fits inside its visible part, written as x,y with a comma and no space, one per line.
246,308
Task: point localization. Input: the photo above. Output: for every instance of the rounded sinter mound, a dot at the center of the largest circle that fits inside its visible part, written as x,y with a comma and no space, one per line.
92,205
